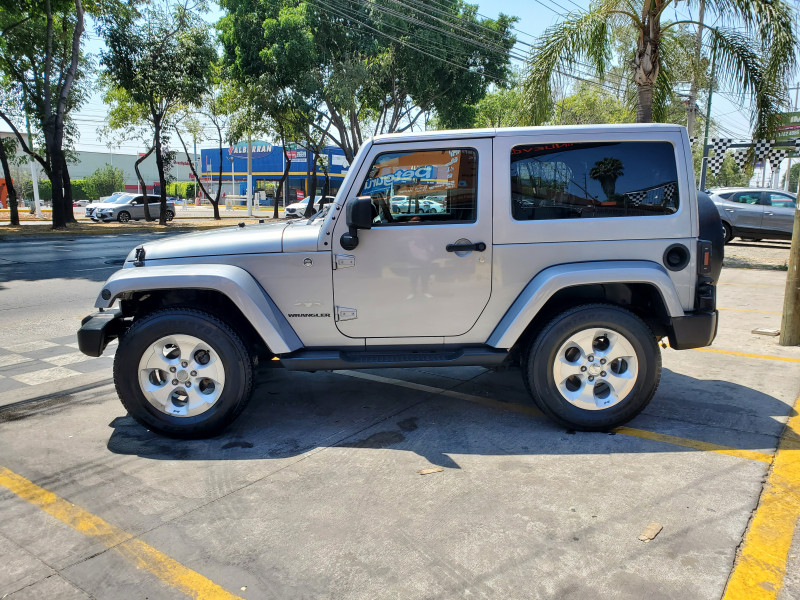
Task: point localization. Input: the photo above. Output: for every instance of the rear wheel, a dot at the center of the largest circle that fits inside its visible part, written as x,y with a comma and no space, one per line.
593,367
170,215
183,373
124,216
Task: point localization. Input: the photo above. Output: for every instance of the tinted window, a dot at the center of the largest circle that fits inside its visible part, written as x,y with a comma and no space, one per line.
747,198
587,180
424,186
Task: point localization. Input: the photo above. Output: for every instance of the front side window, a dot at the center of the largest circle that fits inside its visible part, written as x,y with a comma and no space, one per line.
420,187
592,180
747,198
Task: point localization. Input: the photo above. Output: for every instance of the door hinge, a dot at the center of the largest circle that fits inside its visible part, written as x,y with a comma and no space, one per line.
343,261
346,314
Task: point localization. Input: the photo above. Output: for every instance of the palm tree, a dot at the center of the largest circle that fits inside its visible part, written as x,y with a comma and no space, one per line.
753,49
607,171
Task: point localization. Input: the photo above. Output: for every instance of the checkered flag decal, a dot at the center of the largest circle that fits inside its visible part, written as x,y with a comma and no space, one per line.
741,158
693,140
762,148
721,144
776,156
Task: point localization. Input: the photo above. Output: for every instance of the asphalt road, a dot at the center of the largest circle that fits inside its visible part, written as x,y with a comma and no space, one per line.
47,285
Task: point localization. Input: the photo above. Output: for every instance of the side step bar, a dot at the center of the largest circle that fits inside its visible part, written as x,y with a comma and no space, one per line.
329,360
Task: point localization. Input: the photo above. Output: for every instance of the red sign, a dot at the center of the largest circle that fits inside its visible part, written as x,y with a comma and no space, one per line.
292,154
300,194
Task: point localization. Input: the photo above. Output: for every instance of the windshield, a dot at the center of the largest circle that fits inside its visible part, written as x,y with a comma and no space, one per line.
121,199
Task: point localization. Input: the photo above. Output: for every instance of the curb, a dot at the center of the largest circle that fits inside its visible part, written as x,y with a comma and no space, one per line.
62,387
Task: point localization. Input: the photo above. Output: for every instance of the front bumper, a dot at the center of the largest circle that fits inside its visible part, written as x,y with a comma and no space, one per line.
98,329
693,330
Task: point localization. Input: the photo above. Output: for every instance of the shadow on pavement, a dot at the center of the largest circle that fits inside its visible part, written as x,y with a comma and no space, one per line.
294,413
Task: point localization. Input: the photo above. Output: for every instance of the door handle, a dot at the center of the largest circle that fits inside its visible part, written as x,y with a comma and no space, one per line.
731,209
479,246
769,214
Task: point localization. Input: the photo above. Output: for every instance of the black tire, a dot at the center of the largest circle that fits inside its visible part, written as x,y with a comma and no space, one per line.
124,216
540,381
727,232
233,354
170,215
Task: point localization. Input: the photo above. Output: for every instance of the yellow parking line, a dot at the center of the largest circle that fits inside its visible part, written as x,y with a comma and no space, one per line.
746,355
764,285
533,412
696,444
761,561
142,555
751,310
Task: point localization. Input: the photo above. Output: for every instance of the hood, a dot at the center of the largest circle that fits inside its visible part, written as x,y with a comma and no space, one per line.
251,239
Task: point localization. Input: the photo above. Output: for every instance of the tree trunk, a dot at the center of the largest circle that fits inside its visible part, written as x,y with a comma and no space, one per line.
69,214
644,104
56,181
162,213
313,188
214,202
10,189
142,184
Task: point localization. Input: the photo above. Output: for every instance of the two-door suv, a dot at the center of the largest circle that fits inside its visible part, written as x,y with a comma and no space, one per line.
569,251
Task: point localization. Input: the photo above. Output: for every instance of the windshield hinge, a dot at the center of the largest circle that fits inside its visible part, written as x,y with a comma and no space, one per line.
343,261
346,314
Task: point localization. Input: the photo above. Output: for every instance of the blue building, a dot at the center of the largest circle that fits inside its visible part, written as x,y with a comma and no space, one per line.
268,166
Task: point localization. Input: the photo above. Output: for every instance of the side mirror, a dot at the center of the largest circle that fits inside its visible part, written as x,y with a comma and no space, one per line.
360,212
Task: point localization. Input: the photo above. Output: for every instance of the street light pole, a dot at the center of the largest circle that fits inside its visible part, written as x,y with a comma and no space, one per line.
233,175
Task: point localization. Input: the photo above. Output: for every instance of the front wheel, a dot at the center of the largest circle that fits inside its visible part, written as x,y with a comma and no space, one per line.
183,373
727,232
124,216
594,367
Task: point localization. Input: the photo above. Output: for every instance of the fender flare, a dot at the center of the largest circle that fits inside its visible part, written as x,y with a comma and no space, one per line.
234,282
553,279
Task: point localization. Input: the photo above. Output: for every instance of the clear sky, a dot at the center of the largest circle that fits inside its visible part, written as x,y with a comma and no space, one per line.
534,16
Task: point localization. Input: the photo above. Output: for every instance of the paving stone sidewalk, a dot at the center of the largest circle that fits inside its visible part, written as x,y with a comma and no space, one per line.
47,361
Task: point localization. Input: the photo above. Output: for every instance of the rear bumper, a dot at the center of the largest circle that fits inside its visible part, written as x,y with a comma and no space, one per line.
98,329
693,331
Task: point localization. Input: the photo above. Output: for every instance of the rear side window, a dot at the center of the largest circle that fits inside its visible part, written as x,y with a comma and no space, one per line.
592,180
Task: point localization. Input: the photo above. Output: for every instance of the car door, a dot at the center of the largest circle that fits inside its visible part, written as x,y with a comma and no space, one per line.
418,274
779,212
745,211
137,208
154,205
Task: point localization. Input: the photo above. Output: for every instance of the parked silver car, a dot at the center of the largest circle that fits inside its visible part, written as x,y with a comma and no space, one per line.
755,213
131,206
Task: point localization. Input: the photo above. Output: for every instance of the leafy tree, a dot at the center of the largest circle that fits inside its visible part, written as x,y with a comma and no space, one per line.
504,107
155,63
753,50
42,71
607,171
730,174
592,104
356,65
104,181
794,172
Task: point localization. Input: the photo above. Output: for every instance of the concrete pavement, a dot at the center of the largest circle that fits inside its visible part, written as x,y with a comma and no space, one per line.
315,491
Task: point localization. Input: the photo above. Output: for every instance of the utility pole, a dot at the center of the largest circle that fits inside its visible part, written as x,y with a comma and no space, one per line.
704,167
34,177
691,117
789,167
790,322
249,175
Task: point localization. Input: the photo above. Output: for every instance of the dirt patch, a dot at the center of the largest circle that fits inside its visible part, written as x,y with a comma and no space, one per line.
771,255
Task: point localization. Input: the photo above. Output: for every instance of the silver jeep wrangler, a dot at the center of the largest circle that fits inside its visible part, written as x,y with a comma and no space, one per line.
568,251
